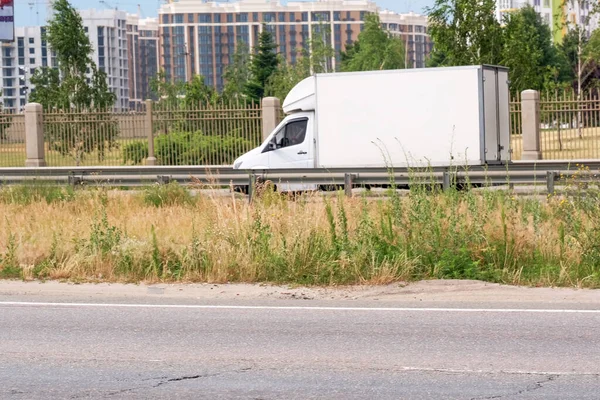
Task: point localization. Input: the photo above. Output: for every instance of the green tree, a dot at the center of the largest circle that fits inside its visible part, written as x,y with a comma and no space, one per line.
287,76
196,93
167,92
321,51
375,49
529,53
464,32
575,43
237,74
76,84
263,64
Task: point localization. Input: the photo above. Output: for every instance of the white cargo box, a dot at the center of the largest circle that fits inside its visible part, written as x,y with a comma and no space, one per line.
417,117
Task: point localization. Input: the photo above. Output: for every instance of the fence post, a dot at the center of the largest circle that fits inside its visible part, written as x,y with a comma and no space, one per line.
34,135
348,184
148,126
271,108
530,117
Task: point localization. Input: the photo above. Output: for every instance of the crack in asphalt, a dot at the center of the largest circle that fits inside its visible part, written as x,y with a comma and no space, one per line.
188,378
178,379
530,388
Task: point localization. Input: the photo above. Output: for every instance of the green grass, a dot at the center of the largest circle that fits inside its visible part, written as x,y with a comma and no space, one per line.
36,192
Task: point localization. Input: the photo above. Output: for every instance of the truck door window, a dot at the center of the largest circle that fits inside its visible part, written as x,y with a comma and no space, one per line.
292,134
295,132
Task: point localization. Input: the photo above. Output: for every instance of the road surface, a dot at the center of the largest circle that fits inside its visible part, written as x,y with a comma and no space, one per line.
463,342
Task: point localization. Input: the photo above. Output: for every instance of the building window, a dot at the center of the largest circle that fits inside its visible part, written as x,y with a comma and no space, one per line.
304,16
205,18
165,19
320,16
32,61
31,40
190,18
178,19
281,17
243,17
337,16
255,17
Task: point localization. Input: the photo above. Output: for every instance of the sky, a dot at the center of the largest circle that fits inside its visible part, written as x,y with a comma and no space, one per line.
33,12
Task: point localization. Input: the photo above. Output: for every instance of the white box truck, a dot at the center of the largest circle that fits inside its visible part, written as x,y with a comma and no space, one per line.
452,116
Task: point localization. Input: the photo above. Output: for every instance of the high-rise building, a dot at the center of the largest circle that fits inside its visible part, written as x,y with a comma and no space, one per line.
19,62
107,32
201,37
142,42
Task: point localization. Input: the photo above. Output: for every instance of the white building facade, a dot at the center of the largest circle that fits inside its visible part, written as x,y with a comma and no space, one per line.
108,36
20,59
19,62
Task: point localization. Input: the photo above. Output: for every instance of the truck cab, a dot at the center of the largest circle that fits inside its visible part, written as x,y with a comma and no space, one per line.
291,145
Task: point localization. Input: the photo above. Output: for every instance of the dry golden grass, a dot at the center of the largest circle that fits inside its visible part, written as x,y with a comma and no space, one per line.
113,236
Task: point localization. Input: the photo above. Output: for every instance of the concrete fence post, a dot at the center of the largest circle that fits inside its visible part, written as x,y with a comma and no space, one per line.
149,127
271,111
34,135
530,117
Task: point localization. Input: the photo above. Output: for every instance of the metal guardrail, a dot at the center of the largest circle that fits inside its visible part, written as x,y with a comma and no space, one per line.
522,173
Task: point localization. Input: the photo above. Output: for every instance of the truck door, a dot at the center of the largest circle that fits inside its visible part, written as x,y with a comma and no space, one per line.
290,147
497,114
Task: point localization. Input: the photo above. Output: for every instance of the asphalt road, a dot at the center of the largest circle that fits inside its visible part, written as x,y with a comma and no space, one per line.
81,347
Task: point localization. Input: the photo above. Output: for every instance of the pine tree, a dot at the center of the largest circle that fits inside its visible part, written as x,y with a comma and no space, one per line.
263,64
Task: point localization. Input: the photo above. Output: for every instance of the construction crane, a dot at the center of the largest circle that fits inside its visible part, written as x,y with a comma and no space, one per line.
108,5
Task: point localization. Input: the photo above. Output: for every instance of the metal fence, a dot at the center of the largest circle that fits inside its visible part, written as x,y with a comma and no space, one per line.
12,140
203,135
213,135
569,126
516,129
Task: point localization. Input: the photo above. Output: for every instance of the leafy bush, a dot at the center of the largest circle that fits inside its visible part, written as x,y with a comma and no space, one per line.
135,152
187,148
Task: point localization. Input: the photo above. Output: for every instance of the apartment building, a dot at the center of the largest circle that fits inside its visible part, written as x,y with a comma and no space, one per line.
558,14
142,45
19,62
201,37
107,33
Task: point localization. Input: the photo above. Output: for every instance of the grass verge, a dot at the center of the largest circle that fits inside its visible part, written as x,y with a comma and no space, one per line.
165,234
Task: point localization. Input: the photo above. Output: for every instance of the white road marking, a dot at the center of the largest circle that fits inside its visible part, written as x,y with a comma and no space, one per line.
298,308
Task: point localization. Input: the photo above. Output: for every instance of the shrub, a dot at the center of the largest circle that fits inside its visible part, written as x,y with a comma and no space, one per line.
135,152
195,148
